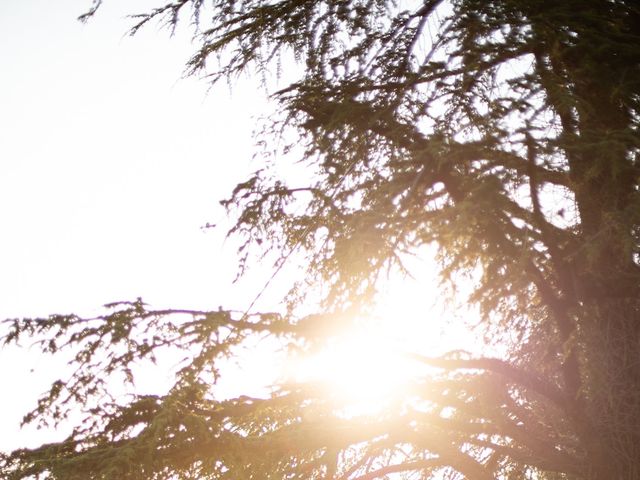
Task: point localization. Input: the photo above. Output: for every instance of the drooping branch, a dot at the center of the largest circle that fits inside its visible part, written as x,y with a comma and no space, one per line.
503,368
415,465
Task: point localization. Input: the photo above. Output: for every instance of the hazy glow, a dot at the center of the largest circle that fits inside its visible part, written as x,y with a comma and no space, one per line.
360,369
364,367
367,366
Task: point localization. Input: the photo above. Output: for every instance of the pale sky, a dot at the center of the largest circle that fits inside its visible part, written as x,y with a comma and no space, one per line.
110,164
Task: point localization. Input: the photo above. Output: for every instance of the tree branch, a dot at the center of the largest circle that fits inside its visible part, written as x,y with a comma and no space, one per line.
505,369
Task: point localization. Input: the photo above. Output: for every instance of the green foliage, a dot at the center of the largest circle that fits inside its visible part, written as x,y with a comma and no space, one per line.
503,132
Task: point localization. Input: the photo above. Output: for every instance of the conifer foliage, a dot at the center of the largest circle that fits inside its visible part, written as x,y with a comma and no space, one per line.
505,132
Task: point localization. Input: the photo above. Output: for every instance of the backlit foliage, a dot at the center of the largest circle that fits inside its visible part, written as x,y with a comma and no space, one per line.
506,133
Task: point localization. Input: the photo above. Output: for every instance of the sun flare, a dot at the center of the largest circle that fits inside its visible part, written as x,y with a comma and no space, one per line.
370,364
359,370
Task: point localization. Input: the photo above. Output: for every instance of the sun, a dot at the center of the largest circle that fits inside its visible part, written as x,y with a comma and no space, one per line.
371,364
358,369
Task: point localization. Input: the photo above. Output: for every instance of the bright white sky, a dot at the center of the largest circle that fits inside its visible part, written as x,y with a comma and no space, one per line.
110,164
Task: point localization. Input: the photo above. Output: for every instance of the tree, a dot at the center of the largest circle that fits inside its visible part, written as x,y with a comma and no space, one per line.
505,133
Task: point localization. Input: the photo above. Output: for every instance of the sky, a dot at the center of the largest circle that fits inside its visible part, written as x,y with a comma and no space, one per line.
110,162
110,165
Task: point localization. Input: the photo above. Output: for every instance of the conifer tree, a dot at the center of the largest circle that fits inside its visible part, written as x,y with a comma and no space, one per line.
505,133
